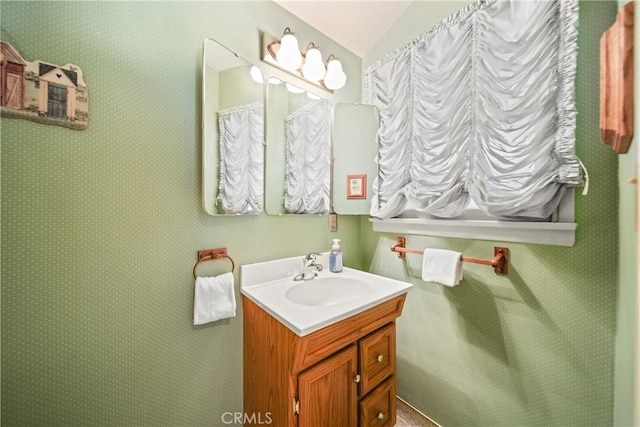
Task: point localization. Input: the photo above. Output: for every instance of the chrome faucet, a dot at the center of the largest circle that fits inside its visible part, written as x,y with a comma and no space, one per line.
310,268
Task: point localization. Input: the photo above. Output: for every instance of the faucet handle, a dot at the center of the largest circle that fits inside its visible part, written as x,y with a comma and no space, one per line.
311,256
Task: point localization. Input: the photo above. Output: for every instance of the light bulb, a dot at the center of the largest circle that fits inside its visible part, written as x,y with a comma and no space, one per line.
289,56
313,68
335,77
256,75
293,89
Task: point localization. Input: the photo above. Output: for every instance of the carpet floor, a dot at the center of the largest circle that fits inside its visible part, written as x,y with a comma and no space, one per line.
406,416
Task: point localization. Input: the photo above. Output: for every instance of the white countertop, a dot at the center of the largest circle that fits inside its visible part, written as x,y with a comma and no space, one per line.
267,284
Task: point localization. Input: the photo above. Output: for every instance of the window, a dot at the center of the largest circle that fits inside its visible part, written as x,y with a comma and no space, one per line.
478,114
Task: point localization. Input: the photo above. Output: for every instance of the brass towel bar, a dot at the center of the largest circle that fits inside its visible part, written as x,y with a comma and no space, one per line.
212,255
499,262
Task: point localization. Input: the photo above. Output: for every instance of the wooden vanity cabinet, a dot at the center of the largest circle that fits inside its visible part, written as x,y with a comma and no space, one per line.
341,375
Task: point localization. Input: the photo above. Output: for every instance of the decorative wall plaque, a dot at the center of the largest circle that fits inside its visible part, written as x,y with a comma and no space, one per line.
42,92
616,82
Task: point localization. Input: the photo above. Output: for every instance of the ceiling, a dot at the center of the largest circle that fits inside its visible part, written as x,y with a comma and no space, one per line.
355,24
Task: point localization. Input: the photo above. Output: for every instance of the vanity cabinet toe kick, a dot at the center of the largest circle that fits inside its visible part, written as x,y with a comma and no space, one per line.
341,375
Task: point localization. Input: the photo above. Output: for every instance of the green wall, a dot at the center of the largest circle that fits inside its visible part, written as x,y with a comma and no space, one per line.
536,347
100,227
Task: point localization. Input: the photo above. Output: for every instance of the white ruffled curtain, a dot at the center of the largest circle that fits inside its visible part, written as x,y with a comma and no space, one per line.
480,107
308,159
241,187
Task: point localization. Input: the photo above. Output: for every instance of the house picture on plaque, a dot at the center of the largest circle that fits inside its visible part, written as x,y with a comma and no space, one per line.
42,92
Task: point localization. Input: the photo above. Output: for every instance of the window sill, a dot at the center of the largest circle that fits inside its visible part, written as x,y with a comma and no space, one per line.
546,233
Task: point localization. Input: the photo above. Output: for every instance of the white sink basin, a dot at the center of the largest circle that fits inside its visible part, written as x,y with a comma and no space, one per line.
328,290
307,306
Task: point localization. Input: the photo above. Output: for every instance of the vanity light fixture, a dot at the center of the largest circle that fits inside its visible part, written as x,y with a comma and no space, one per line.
256,74
335,77
285,55
293,89
313,68
289,56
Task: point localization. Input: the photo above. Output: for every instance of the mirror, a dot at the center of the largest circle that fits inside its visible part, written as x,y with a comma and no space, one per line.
355,147
232,133
298,158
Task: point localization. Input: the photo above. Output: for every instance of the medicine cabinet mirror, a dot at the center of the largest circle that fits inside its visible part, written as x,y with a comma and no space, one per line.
355,147
232,133
298,155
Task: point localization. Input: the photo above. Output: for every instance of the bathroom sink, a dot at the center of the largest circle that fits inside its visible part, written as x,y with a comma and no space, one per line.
307,306
328,290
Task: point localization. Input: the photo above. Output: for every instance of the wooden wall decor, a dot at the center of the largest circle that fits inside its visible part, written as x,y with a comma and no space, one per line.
42,92
616,82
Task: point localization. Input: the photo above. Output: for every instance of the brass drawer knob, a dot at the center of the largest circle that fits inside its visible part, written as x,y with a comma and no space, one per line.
357,378
380,416
380,358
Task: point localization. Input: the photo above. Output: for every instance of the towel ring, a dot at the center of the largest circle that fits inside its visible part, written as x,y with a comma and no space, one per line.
212,255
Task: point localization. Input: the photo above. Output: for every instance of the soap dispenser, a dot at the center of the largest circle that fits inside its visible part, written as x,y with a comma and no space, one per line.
335,257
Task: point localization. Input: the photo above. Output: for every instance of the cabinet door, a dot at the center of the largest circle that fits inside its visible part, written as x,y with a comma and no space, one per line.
327,392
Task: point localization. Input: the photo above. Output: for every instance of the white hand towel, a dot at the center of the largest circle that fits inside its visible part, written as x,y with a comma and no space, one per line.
214,299
442,266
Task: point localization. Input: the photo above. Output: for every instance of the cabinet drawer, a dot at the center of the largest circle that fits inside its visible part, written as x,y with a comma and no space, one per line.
377,357
378,409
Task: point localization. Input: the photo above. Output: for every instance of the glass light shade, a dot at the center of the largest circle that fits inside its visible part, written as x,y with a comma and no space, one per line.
293,89
335,77
289,56
313,68
256,74
312,96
